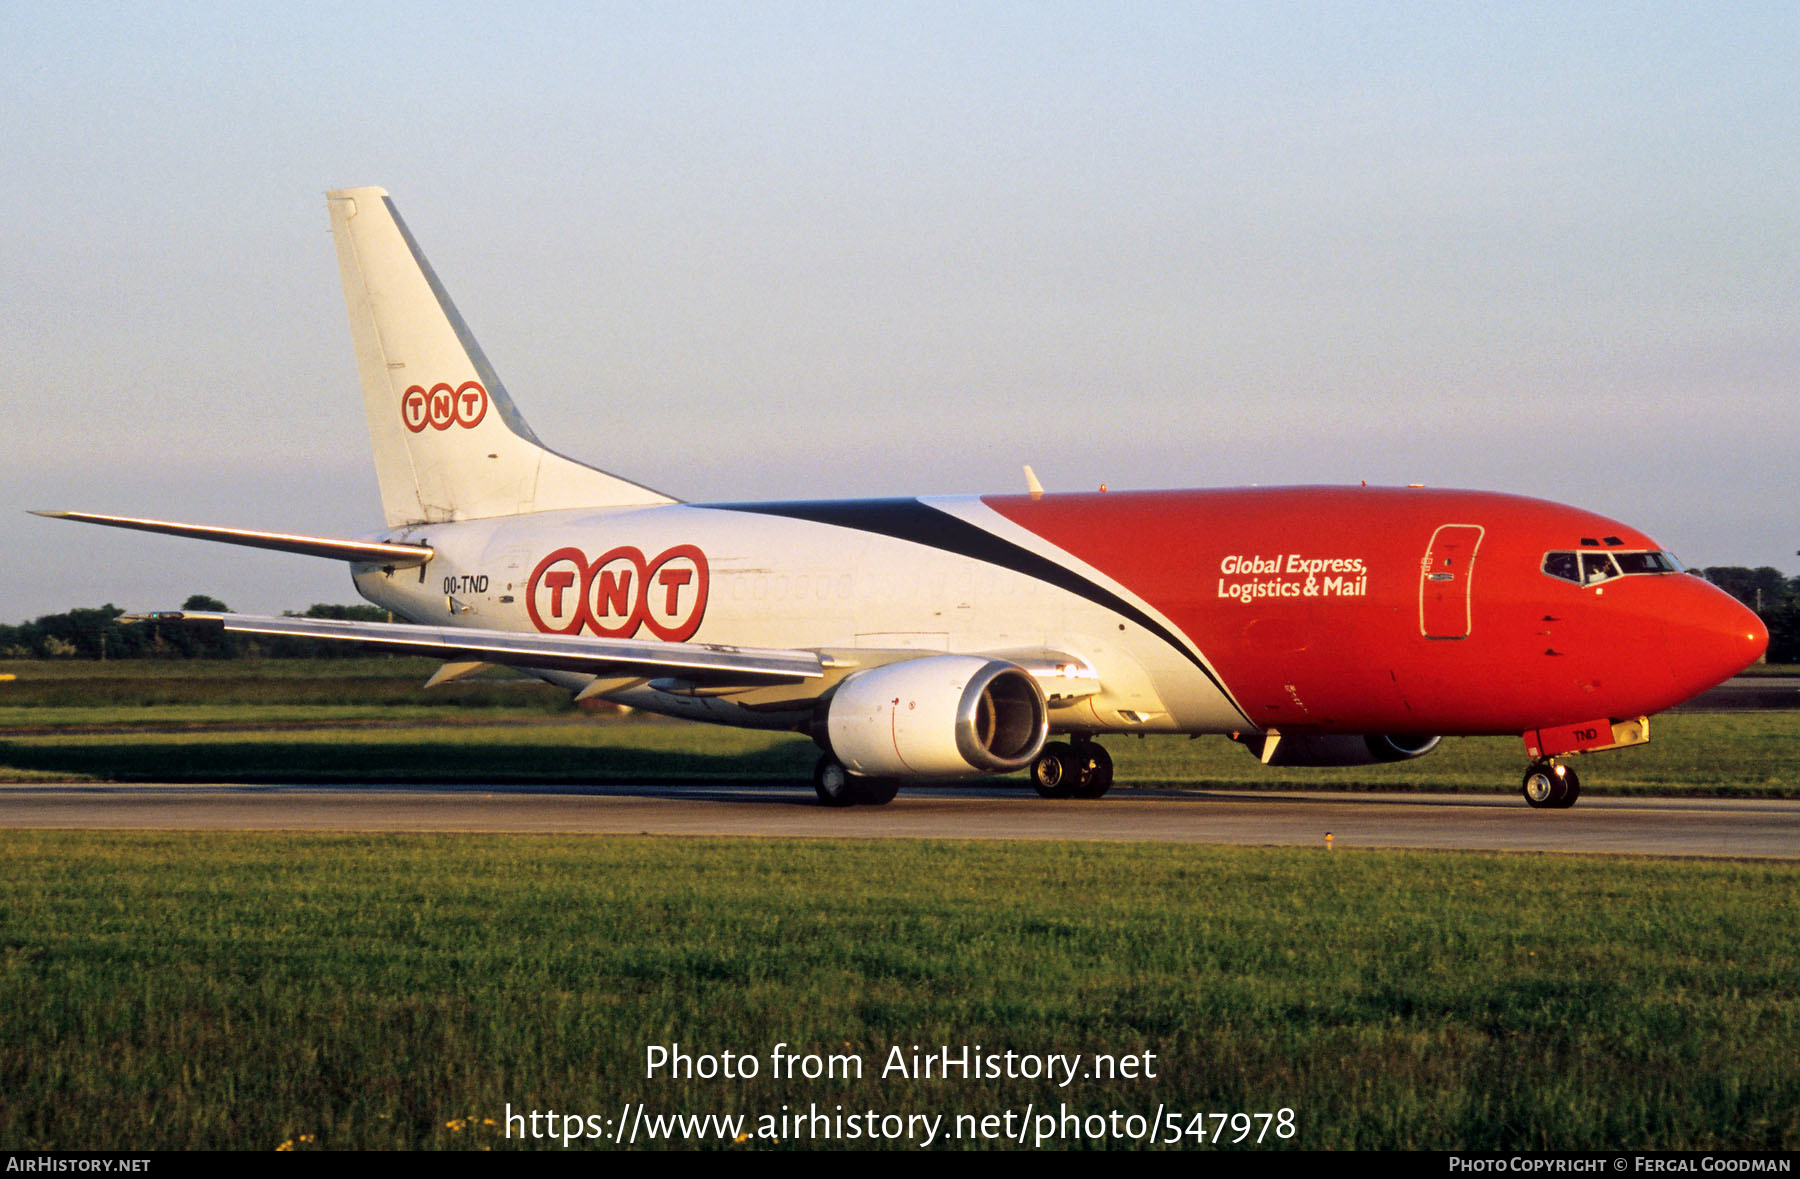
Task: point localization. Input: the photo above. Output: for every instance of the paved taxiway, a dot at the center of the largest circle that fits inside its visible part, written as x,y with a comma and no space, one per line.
1748,693
1658,827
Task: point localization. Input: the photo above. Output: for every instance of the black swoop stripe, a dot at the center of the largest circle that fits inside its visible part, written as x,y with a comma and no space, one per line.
910,520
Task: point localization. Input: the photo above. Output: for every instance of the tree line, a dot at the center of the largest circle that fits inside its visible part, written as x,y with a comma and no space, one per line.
1773,595
97,633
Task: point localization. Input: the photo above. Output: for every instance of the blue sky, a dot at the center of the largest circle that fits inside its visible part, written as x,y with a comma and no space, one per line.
791,251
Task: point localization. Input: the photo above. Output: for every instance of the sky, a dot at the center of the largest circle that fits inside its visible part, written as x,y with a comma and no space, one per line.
794,251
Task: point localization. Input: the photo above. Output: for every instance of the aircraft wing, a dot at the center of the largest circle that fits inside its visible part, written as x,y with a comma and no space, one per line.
694,663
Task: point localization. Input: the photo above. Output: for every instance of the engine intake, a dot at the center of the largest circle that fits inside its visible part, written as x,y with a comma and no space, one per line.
942,716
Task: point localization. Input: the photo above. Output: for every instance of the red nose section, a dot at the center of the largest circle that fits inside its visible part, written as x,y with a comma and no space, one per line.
1712,639
1752,640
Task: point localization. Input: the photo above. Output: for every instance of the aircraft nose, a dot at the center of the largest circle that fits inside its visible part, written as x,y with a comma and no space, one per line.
1751,637
1713,639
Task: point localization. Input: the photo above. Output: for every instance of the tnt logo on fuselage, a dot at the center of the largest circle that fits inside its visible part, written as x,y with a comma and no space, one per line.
441,407
620,592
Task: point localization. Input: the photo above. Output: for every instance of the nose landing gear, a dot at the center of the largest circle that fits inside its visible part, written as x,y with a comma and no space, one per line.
1550,785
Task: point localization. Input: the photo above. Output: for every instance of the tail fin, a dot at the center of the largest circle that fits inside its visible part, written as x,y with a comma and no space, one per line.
449,443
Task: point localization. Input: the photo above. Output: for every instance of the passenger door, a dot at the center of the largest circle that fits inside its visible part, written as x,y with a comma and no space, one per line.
1445,578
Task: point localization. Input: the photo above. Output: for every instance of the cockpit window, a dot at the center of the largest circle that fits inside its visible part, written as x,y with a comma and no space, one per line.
1589,567
1597,567
1648,563
1563,565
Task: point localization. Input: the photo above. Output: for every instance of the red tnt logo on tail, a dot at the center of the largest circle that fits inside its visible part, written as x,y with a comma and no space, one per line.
441,407
619,592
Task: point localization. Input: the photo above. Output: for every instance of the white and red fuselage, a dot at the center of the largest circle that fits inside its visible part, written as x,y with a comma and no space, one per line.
1302,609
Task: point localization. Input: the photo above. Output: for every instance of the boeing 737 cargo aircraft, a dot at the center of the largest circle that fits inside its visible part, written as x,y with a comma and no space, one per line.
947,637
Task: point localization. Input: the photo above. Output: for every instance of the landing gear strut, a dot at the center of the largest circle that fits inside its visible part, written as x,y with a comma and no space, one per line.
1080,769
1550,785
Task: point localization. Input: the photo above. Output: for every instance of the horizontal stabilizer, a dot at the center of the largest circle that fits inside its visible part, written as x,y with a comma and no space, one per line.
400,556
694,662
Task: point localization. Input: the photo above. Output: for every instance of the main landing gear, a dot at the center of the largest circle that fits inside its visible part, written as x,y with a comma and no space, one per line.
1077,769
837,786
1064,769
1550,785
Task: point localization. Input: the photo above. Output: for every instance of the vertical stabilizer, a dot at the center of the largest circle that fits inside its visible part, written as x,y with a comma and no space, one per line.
449,443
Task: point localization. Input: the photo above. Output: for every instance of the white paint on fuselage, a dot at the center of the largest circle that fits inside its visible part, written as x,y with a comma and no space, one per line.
780,582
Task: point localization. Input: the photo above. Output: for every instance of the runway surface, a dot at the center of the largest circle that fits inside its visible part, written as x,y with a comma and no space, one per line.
1756,828
1748,693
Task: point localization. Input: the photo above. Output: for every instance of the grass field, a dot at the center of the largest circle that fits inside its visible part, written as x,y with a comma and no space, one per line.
252,990
369,720
138,692
261,990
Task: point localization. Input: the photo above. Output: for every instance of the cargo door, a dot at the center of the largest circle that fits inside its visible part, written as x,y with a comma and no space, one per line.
1445,577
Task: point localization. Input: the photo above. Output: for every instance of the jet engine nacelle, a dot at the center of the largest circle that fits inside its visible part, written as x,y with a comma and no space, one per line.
942,716
1334,750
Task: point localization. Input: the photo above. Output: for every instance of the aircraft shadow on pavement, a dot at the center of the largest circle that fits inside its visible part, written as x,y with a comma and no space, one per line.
423,764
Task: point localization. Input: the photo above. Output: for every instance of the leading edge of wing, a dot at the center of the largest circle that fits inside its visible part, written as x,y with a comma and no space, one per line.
698,663
400,556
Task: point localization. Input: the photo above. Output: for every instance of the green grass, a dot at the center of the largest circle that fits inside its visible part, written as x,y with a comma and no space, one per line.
213,990
243,990
1747,754
370,720
1739,754
221,670
49,692
582,750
